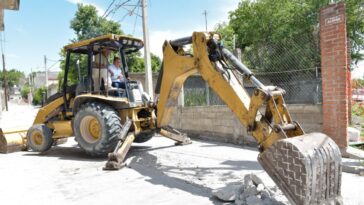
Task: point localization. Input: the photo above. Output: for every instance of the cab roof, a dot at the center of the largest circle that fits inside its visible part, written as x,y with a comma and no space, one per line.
111,41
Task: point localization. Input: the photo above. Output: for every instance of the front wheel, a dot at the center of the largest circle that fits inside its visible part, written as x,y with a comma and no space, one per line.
39,138
96,128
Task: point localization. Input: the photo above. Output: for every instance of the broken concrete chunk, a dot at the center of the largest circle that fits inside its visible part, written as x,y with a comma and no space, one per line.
227,193
257,180
260,187
353,134
253,200
265,194
248,182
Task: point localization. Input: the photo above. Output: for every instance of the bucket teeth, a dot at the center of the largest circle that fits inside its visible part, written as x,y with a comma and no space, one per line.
306,168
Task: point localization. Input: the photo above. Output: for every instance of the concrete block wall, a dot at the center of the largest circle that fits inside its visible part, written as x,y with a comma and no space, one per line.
141,77
308,116
220,124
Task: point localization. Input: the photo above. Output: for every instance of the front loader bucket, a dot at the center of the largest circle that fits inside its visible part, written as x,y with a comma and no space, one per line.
13,141
306,168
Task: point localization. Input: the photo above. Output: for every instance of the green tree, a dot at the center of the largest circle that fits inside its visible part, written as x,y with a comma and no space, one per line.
156,62
38,96
227,34
281,23
87,24
136,63
25,90
12,77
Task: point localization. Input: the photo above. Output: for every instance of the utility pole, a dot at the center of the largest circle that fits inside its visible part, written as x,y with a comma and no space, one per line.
205,13
147,59
46,75
5,84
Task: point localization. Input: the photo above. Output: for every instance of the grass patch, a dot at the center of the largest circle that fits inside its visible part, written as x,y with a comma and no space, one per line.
358,109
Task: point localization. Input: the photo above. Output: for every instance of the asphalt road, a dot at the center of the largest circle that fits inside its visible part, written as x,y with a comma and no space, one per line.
157,173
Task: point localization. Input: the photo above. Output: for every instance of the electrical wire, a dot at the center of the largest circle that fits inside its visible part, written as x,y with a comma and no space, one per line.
116,7
50,67
113,1
136,16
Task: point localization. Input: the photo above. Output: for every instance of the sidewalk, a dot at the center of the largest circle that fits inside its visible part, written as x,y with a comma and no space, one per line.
18,116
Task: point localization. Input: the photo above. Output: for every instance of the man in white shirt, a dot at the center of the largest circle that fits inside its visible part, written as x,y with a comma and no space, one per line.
99,70
117,77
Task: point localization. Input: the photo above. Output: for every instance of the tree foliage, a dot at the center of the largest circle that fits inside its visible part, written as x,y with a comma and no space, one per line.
38,96
25,90
12,77
291,25
227,34
87,24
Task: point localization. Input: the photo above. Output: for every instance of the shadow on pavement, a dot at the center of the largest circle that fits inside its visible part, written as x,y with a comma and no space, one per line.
147,165
66,153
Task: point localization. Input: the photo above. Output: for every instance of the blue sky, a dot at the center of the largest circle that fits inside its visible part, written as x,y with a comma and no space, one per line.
41,27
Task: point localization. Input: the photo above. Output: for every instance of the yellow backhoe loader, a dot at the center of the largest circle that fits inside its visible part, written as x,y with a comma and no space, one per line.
107,120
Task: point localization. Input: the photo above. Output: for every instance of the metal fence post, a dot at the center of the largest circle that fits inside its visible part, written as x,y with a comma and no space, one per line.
181,98
207,94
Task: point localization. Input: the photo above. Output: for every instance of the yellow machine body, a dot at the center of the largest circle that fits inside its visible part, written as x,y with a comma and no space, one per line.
307,167
12,141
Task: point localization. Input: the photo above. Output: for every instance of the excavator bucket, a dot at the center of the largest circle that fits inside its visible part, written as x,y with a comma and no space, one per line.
306,168
12,141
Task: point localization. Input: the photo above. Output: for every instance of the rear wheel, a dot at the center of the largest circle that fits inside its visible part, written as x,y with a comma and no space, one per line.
39,138
96,128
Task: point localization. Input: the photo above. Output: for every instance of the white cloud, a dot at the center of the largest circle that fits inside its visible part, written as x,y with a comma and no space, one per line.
11,55
221,13
157,38
100,10
20,29
358,71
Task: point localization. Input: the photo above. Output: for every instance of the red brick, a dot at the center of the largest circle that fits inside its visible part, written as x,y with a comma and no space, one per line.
334,65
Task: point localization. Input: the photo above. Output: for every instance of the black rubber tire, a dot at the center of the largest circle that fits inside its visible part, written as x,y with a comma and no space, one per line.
46,136
110,124
144,136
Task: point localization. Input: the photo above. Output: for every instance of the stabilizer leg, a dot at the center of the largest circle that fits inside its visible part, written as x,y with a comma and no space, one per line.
116,158
180,138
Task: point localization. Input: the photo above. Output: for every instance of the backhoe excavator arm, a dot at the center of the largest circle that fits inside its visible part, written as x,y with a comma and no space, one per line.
177,68
305,166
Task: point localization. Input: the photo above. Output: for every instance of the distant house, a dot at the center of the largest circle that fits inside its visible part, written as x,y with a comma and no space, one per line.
40,81
358,95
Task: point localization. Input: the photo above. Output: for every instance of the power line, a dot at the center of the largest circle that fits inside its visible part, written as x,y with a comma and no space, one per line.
48,59
136,17
50,67
113,1
116,7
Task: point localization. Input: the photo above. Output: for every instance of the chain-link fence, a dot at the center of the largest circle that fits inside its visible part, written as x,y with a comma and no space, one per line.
292,64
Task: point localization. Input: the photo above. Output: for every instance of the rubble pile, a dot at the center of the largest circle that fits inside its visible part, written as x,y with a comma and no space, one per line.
252,191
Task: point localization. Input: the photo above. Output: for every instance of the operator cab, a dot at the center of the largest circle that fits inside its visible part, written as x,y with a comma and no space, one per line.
85,74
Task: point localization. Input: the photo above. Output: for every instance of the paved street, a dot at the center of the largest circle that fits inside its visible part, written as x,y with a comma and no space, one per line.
158,173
